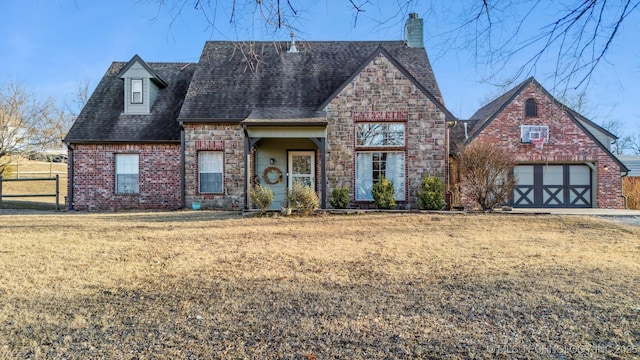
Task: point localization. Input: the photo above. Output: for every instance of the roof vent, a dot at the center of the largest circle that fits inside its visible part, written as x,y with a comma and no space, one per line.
293,48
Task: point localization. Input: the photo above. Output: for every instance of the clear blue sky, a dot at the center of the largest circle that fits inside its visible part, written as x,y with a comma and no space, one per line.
49,46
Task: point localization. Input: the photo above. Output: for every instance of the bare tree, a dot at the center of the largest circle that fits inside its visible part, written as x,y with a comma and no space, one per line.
632,143
616,127
27,124
487,172
628,139
275,15
79,98
577,38
579,102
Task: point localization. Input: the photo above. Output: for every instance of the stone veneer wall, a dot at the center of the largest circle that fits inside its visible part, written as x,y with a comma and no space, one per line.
568,143
94,177
381,91
228,138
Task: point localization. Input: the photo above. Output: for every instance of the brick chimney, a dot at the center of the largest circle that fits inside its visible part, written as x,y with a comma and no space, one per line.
413,31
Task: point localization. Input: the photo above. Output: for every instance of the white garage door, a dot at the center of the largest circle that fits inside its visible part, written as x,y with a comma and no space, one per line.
565,185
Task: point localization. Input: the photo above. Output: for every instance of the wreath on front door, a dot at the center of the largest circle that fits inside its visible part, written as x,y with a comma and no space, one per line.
272,175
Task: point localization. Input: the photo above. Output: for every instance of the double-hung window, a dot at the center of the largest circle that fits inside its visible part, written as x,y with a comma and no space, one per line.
127,178
136,91
374,161
210,171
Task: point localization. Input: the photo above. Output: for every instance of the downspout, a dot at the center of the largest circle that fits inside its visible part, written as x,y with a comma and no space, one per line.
246,166
183,180
626,204
448,164
626,172
70,178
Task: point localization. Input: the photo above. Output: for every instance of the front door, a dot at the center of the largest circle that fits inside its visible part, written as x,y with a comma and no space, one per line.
302,167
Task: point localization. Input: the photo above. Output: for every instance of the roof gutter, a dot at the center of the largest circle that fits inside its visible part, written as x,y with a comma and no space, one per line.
92,142
292,123
210,120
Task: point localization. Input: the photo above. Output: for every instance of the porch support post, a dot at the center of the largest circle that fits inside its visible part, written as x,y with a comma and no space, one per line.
249,143
321,143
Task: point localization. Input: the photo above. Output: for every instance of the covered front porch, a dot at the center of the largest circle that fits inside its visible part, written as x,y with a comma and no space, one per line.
279,152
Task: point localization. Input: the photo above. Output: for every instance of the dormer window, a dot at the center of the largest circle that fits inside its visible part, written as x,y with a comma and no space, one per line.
531,108
136,91
142,85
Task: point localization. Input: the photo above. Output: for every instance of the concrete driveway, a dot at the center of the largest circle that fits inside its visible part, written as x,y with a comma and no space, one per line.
587,212
630,217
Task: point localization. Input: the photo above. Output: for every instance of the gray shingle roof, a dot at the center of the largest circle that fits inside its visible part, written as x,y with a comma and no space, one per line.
284,113
485,114
232,79
459,134
102,119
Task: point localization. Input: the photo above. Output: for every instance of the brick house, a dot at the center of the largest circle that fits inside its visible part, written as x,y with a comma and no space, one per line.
571,166
328,114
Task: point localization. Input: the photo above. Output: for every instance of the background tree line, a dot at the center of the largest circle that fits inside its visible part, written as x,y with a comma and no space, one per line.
30,124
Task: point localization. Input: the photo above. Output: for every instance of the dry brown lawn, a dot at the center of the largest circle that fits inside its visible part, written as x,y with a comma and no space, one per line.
377,286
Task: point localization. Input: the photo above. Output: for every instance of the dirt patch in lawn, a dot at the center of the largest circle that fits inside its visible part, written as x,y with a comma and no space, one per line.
212,285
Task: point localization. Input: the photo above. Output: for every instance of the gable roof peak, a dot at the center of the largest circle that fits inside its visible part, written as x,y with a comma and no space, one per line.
152,73
304,80
489,112
483,116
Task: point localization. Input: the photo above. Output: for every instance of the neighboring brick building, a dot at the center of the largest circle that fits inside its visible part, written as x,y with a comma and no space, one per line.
574,166
161,135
